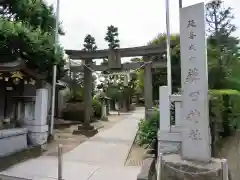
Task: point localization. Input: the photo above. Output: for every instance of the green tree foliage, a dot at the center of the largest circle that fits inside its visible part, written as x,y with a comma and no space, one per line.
219,20
159,76
113,87
37,13
77,81
27,32
89,43
223,57
138,78
114,92
113,42
223,53
223,47
112,37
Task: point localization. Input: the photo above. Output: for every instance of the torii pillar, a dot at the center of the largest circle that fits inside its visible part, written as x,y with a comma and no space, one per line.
87,129
87,95
148,89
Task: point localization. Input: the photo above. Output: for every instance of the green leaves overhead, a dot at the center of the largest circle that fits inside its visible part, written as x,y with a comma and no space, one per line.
35,12
27,32
223,49
19,39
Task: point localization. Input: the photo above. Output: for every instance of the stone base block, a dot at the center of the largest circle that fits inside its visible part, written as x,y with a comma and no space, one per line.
38,138
88,131
12,140
104,118
169,143
83,127
50,138
168,147
38,135
173,167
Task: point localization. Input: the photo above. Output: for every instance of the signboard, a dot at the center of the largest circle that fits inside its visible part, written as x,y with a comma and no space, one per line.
195,125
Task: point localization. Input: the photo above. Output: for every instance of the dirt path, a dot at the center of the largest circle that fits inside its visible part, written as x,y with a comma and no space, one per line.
69,141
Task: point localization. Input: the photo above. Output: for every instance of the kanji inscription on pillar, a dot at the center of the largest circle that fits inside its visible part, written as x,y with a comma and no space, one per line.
195,127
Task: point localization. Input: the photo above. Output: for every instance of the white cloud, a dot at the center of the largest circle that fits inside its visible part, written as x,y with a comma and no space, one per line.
138,20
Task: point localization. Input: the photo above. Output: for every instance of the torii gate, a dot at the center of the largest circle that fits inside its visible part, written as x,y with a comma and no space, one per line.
114,64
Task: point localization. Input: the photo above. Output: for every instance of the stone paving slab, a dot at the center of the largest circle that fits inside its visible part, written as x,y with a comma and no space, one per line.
73,171
116,173
111,146
100,158
46,168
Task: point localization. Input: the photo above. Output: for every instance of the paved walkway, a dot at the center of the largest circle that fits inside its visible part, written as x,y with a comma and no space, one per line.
100,158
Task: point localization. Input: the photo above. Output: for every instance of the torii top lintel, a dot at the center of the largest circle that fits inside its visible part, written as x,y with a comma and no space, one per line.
123,52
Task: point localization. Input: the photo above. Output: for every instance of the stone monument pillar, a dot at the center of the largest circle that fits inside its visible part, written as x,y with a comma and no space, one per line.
194,162
195,125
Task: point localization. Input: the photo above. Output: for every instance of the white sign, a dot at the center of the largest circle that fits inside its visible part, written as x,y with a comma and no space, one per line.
195,125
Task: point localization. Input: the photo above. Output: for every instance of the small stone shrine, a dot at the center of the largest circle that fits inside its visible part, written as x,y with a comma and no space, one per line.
23,108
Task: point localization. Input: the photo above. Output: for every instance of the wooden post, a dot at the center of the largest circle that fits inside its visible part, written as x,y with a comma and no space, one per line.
60,162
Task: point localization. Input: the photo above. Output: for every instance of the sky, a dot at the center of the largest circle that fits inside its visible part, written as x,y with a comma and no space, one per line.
138,21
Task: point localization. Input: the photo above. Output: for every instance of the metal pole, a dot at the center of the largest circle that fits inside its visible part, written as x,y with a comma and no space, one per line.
180,4
180,7
60,162
54,69
159,166
169,73
224,165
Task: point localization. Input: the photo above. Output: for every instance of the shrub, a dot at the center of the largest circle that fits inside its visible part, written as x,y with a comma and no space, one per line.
147,132
224,110
75,95
74,111
223,115
97,108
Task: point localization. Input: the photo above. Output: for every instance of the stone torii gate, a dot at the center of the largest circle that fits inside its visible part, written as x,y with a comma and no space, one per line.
114,64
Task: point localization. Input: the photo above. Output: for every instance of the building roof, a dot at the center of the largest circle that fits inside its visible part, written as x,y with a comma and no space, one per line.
20,65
